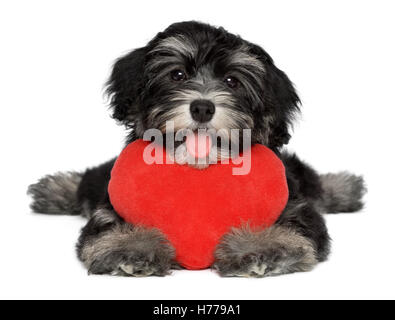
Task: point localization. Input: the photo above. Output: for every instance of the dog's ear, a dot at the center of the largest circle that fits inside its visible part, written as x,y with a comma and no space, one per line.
282,103
124,85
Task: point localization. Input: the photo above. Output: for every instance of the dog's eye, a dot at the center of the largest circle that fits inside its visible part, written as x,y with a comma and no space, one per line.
232,82
178,75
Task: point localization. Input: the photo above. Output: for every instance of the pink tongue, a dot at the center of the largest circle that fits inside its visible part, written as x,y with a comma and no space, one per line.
198,144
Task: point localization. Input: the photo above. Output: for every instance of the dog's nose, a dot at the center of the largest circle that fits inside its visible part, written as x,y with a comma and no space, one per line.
202,110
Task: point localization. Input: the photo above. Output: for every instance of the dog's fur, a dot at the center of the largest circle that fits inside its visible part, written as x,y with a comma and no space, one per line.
260,97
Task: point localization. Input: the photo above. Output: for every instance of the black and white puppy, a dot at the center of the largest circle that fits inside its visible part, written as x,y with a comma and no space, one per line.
199,76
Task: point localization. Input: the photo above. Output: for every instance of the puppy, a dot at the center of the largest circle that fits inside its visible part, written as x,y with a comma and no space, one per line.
201,77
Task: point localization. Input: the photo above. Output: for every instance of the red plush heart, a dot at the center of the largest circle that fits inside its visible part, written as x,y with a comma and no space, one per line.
195,208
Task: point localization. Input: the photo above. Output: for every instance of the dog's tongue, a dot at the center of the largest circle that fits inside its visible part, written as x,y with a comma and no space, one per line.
198,144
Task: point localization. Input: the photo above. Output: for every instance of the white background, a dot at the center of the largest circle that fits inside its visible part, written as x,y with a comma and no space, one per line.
54,59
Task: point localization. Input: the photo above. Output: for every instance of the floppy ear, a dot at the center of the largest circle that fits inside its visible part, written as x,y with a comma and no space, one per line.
282,101
124,85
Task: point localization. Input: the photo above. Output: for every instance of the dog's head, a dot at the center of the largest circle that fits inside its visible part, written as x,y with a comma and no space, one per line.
199,76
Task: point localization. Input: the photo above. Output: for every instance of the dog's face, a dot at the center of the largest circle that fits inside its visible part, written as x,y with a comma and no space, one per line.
198,76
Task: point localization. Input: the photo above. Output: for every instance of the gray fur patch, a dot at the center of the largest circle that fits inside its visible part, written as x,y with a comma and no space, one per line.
176,44
249,62
104,217
343,192
273,251
56,194
129,251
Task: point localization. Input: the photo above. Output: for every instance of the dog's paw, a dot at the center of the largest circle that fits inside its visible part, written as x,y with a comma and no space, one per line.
263,263
343,192
56,194
274,251
127,251
129,264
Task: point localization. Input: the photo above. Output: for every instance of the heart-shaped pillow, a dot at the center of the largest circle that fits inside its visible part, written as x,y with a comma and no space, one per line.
195,208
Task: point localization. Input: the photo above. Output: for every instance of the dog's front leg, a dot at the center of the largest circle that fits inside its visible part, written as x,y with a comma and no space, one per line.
108,245
297,242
